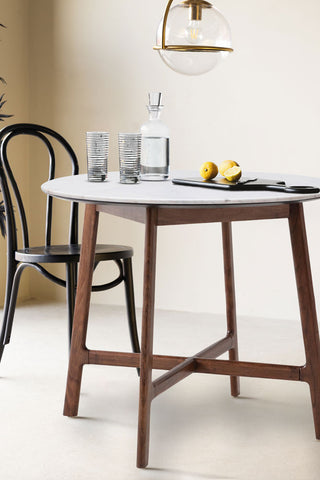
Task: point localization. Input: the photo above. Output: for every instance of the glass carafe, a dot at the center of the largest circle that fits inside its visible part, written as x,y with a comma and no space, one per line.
154,143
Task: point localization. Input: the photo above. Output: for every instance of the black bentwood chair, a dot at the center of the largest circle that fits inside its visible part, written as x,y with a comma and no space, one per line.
19,259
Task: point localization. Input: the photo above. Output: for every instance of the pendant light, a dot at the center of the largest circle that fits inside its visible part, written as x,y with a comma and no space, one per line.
193,37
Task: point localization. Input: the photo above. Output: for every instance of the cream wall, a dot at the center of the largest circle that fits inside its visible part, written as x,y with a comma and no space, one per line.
92,67
14,60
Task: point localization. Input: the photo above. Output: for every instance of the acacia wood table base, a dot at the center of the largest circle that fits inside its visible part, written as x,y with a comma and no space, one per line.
205,361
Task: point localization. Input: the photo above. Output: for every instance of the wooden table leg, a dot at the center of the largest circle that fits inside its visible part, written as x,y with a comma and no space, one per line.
78,352
147,337
311,371
230,300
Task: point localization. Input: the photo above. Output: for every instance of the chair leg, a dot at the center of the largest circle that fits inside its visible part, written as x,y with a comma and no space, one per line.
131,310
11,269
71,274
230,301
12,304
4,321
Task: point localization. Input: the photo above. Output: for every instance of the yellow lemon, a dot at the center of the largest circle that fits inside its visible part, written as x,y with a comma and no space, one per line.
225,165
233,174
208,170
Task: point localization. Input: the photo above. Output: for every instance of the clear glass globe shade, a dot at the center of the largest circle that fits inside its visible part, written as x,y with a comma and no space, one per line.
211,30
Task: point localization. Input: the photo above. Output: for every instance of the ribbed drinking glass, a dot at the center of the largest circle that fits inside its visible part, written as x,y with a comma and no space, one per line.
97,156
129,157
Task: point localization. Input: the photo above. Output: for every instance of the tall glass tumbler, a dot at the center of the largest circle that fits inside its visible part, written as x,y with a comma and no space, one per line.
129,157
97,156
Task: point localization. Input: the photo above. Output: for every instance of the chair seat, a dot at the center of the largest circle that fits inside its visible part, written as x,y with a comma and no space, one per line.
70,253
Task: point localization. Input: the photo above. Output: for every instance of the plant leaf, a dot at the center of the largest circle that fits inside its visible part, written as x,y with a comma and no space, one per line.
2,219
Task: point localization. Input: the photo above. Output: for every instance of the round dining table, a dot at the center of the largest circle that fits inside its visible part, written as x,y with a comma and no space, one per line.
157,204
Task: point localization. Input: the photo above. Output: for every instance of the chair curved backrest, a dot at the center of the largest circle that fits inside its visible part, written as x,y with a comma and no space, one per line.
10,188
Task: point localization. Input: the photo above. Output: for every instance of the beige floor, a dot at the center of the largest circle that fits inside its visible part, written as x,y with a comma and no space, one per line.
198,431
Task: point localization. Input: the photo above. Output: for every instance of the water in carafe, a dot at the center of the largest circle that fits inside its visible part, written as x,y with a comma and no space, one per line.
154,143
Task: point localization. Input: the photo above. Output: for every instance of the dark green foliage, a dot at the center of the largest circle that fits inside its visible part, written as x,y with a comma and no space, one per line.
2,220
2,117
2,102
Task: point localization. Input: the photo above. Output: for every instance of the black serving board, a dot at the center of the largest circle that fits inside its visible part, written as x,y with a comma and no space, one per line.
246,184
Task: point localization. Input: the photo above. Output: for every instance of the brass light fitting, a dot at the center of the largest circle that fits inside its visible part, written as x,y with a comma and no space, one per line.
195,13
195,8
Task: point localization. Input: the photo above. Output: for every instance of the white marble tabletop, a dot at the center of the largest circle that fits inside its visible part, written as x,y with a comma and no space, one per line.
166,193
